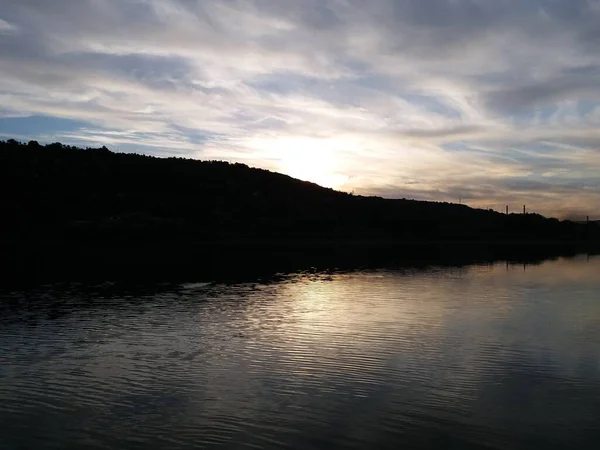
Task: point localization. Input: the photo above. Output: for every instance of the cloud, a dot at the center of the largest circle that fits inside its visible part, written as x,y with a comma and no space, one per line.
574,85
7,28
491,101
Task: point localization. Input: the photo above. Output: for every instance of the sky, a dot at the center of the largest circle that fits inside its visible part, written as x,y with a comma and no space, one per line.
492,102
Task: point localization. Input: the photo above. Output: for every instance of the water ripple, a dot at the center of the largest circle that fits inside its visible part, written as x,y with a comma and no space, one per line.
482,357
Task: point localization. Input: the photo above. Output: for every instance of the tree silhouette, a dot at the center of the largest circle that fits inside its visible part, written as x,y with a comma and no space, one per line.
61,192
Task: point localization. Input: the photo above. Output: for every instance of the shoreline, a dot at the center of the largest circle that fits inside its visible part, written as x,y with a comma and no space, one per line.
35,261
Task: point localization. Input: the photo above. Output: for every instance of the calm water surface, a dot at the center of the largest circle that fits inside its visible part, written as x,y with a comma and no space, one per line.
491,357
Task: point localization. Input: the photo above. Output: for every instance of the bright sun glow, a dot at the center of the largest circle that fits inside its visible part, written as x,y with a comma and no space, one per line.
309,159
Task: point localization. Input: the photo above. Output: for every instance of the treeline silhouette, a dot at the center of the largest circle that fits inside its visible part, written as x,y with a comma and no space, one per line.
61,193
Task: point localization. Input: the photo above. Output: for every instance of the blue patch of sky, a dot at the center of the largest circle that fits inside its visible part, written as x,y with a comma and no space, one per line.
528,115
32,127
195,136
585,107
356,66
506,157
377,82
158,72
457,146
132,64
433,105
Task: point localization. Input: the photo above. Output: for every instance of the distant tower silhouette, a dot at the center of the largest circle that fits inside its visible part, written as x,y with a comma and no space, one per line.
507,210
524,210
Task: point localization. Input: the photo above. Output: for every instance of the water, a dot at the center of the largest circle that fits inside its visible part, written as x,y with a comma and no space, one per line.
490,356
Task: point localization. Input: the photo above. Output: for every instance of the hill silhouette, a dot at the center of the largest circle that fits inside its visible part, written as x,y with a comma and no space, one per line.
72,214
59,192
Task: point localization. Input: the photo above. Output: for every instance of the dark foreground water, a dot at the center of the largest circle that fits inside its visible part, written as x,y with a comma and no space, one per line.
491,357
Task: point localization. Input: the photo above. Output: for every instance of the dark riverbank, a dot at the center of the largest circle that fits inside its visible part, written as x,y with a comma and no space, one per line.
62,193
73,214
39,262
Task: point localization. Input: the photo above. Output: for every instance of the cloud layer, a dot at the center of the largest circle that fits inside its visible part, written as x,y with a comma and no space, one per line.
493,102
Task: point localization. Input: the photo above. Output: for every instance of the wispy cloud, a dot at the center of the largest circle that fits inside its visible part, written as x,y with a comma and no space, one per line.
6,27
493,102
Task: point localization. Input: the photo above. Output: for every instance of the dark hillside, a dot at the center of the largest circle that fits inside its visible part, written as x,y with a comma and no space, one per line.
61,192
